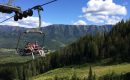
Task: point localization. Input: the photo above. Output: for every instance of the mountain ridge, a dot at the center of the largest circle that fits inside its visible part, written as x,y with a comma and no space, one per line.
58,34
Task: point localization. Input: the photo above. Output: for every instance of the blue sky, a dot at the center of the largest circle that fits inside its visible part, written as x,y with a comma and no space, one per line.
77,12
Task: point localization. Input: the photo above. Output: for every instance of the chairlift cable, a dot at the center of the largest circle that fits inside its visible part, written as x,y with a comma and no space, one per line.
43,4
6,19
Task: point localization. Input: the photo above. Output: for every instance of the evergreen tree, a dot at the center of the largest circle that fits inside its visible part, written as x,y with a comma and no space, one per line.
90,74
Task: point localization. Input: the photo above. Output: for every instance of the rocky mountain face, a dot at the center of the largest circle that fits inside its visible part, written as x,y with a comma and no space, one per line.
57,35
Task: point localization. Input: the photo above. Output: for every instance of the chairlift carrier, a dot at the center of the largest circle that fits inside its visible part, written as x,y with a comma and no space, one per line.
33,30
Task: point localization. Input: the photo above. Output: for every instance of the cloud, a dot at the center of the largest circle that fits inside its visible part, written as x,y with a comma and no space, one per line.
113,19
80,22
103,11
29,22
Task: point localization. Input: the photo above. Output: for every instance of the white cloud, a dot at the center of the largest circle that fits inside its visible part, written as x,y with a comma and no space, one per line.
113,20
80,22
103,11
94,18
29,22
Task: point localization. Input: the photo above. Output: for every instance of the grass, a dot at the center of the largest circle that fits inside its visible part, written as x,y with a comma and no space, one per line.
83,71
10,56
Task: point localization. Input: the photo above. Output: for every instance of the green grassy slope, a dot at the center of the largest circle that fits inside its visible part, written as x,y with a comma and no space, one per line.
82,71
10,56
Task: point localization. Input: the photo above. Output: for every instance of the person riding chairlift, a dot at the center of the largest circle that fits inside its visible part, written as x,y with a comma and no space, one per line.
38,49
36,46
29,48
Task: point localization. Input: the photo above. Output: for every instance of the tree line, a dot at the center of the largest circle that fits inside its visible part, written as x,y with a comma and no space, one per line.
113,46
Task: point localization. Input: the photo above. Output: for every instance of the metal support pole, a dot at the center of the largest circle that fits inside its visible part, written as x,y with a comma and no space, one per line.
39,19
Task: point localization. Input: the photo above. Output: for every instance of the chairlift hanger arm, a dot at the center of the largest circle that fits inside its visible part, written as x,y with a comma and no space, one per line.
10,2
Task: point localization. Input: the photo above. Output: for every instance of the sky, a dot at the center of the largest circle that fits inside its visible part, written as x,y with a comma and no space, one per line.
73,12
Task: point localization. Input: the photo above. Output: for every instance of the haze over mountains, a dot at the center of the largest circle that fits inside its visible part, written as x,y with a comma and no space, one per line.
57,35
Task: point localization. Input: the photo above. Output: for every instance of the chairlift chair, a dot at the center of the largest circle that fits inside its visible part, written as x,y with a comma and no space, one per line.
25,51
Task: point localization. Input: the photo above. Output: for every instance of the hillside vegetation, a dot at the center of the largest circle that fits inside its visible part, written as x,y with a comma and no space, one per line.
10,56
112,47
106,48
83,70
